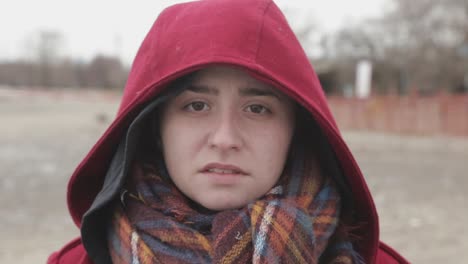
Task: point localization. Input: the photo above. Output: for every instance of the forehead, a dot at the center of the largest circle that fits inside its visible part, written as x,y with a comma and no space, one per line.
217,77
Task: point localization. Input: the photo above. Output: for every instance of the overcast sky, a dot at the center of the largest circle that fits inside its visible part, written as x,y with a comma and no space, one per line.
117,27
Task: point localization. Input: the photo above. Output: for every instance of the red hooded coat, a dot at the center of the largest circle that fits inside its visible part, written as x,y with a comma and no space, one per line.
252,34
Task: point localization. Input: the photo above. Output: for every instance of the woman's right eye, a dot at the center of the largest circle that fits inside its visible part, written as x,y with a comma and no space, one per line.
197,106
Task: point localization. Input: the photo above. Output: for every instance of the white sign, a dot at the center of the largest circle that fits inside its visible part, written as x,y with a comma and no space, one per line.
363,78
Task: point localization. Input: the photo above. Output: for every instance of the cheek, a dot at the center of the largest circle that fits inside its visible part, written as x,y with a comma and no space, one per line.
175,148
280,133
180,139
169,128
272,142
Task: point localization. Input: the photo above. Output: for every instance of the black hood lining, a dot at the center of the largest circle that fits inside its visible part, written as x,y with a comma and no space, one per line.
95,220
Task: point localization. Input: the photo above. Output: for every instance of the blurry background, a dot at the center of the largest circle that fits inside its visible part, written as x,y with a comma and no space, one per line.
395,73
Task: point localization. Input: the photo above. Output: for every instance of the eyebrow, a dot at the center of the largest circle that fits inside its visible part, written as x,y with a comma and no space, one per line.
203,89
248,91
252,91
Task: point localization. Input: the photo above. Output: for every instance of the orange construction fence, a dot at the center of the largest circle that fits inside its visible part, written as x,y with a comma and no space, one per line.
422,115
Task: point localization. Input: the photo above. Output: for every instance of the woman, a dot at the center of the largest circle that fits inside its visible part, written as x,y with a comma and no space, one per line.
223,151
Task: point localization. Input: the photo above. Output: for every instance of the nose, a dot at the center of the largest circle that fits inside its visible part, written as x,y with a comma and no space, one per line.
225,134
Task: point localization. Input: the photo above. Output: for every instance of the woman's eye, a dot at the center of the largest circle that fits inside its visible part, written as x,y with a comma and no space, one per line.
197,106
257,109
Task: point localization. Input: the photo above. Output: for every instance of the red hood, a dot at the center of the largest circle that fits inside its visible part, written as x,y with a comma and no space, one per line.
252,34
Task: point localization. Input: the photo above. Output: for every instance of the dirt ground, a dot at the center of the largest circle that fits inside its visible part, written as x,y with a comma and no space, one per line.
419,183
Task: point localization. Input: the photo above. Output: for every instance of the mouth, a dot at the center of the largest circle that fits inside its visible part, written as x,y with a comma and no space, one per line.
223,169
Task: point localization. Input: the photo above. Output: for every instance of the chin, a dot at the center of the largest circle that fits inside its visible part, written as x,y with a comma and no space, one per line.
223,206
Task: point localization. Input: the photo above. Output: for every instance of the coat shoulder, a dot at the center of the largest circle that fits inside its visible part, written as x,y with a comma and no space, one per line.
387,255
72,252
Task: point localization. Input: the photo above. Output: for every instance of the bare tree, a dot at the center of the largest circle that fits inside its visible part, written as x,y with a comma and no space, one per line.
425,37
106,72
420,43
46,50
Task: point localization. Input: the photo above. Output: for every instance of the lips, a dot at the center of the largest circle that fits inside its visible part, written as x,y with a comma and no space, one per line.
220,168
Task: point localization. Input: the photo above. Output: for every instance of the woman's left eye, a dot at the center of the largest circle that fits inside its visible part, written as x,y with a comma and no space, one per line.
257,109
197,106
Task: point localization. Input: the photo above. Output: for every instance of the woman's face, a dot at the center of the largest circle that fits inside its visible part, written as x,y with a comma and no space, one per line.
226,138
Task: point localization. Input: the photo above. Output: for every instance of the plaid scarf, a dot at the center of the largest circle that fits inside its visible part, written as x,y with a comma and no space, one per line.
293,223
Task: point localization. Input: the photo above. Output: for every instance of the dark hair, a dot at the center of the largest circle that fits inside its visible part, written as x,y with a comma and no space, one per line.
309,133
